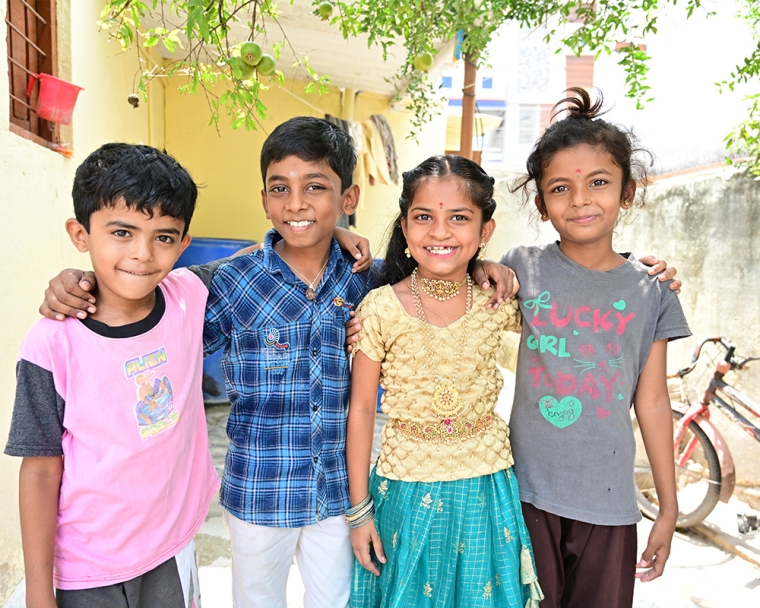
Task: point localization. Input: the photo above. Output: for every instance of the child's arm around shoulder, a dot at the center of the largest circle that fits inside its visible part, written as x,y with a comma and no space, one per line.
39,487
69,294
652,405
226,285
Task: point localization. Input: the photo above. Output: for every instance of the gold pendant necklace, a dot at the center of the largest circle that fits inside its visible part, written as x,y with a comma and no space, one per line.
311,293
446,401
439,289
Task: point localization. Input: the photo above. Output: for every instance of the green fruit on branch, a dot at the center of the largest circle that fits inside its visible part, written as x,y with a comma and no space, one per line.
325,10
266,66
423,62
246,71
251,53
239,66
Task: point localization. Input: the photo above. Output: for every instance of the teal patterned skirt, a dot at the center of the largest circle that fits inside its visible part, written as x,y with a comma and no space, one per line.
449,544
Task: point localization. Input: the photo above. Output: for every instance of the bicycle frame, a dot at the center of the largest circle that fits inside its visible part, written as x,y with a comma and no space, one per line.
700,414
731,411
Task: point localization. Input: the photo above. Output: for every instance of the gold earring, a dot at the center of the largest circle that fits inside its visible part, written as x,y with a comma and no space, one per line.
626,204
407,253
482,252
544,217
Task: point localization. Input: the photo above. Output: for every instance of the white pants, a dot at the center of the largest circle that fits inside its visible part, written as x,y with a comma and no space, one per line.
262,556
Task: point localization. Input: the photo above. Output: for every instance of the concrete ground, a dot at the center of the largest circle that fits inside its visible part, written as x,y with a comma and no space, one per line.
699,574
711,566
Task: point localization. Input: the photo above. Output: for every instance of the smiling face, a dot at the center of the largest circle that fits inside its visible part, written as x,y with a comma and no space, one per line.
582,191
444,228
303,200
131,253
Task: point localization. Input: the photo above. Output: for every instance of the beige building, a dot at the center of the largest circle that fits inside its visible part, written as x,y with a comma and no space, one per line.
37,165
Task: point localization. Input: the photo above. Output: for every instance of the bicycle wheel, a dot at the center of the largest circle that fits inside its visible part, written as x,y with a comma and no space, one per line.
697,481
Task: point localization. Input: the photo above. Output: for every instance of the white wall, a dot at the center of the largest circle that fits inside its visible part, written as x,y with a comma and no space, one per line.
35,201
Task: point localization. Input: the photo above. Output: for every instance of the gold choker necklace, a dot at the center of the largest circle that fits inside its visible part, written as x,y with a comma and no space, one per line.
446,401
441,290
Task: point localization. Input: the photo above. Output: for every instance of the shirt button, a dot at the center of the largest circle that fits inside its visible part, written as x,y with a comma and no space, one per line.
314,352
314,408
315,459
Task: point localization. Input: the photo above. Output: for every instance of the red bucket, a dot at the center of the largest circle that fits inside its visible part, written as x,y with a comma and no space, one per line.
56,98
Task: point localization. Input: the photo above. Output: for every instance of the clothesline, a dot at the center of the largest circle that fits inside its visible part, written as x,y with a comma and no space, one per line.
302,100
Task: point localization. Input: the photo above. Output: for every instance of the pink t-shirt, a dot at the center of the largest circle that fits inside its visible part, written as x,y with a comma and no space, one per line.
138,477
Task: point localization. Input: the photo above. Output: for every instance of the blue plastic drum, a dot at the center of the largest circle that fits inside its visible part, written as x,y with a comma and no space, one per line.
201,251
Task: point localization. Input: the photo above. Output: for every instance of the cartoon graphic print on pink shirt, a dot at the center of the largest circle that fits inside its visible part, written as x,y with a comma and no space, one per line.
590,376
154,410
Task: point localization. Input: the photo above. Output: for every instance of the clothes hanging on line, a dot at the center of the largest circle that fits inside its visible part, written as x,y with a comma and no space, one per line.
373,165
390,148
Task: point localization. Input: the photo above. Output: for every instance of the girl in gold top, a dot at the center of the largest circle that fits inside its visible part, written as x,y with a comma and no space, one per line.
438,522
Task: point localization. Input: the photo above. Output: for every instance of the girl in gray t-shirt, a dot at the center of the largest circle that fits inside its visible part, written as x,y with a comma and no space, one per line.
594,340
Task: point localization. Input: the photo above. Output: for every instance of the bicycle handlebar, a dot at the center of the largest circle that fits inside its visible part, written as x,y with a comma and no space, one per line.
729,358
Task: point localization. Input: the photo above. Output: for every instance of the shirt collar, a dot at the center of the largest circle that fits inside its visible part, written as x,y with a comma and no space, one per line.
275,264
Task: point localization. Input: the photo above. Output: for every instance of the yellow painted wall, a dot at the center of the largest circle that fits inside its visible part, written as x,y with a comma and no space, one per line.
227,163
35,201
36,185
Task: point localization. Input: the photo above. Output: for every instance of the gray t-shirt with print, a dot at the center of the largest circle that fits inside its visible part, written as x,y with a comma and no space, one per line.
586,336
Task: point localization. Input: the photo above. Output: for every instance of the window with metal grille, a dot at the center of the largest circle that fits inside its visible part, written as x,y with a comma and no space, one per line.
31,50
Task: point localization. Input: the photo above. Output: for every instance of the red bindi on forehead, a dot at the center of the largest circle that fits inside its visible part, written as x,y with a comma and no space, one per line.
440,205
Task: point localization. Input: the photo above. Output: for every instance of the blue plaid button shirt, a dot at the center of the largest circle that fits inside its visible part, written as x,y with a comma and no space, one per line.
287,376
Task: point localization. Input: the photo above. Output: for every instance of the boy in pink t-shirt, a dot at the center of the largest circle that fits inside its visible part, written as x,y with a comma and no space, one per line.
117,476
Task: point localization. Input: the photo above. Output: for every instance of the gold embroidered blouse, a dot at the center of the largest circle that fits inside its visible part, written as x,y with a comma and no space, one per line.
417,444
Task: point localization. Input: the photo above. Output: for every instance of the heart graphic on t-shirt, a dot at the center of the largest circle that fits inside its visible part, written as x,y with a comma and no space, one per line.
560,413
620,304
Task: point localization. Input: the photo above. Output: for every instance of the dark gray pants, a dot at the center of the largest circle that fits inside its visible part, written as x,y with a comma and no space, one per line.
157,588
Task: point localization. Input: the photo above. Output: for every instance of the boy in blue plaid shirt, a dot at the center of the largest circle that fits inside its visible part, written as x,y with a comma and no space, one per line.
279,313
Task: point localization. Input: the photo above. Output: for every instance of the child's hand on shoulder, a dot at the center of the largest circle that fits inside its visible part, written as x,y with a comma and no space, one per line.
505,280
652,562
667,272
68,295
353,327
361,539
357,246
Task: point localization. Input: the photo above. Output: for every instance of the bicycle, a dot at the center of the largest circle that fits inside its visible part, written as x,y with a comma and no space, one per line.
704,465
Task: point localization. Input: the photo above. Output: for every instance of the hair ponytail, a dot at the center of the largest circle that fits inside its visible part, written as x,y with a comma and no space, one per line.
583,126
